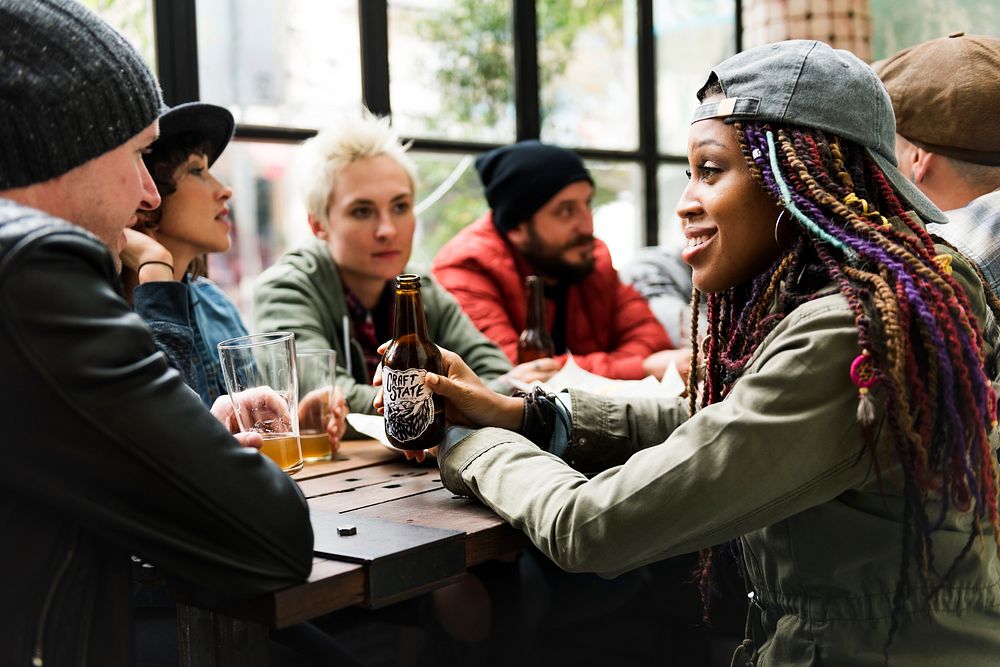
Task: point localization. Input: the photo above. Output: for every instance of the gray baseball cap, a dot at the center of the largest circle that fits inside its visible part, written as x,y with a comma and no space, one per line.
810,84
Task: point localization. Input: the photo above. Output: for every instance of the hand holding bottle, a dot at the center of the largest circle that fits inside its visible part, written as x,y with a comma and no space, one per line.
468,402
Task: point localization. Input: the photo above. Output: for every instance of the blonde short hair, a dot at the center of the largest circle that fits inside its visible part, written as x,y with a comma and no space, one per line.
336,147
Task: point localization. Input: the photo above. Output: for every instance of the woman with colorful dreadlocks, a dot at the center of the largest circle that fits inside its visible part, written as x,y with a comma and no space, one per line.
841,440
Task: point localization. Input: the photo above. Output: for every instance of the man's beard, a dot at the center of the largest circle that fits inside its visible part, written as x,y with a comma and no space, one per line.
549,262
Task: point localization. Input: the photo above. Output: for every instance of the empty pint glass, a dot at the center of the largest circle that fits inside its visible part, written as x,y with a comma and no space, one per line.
260,377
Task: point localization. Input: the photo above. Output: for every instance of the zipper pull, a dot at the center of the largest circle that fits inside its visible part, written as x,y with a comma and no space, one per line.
755,601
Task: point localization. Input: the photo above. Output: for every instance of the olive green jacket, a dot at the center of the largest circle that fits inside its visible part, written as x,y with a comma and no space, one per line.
779,464
302,293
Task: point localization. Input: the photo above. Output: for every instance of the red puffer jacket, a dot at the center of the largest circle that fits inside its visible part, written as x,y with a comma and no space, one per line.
609,327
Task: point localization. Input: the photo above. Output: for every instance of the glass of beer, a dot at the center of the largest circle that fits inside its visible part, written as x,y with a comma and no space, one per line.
317,371
260,377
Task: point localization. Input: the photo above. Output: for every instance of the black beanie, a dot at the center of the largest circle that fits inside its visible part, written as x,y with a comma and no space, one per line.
521,178
71,89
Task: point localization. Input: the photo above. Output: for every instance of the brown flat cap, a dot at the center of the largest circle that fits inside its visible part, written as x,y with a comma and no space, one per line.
946,94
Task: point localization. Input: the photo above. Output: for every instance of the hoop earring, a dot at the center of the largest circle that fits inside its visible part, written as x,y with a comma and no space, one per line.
777,224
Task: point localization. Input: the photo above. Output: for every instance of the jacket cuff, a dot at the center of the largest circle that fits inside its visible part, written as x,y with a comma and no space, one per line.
599,438
459,456
165,301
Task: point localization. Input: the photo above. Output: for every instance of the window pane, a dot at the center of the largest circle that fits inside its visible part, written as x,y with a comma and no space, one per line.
449,197
588,73
671,179
267,216
451,64
291,63
691,37
618,210
132,18
897,25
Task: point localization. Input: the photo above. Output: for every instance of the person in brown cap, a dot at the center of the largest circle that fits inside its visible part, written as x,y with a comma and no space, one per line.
944,93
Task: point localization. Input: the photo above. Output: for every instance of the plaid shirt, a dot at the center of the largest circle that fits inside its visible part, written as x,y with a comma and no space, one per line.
975,230
371,328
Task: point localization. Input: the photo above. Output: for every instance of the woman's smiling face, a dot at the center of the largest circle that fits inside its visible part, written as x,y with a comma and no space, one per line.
728,219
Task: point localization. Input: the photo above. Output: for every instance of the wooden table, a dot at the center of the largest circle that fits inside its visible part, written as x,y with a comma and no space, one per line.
383,497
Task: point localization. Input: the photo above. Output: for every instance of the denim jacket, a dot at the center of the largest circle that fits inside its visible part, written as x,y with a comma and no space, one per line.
170,308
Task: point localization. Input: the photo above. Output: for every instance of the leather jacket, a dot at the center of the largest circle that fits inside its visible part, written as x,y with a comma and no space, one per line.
106,454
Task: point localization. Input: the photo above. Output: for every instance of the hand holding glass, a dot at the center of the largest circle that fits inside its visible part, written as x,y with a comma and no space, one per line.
317,371
260,377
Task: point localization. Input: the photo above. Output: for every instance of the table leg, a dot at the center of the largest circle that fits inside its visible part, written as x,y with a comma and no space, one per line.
211,639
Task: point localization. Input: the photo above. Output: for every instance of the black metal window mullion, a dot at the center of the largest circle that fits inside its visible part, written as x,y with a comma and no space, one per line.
739,25
176,36
373,23
177,63
648,147
524,33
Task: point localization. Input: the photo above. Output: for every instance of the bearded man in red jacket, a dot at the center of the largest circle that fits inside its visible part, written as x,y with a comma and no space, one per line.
540,223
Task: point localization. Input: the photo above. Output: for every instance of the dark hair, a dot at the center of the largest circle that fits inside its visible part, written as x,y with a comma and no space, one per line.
162,160
711,87
918,338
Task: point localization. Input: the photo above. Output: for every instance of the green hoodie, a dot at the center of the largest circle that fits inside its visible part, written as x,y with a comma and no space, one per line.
302,293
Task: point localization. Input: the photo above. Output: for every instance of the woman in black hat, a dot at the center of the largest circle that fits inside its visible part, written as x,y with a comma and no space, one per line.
164,260
164,273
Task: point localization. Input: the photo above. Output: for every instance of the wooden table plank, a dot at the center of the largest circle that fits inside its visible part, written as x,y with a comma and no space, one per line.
403,492
488,536
331,585
353,454
369,486
370,481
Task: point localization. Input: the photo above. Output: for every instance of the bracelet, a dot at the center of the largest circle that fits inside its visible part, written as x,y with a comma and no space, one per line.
155,261
540,415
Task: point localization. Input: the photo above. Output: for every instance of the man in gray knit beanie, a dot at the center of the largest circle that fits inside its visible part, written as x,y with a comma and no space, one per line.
71,89
106,452
77,107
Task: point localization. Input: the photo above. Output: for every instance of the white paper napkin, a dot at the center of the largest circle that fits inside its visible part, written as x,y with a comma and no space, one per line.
374,427
571,376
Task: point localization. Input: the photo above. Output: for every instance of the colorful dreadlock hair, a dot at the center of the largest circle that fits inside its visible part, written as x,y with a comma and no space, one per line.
917,338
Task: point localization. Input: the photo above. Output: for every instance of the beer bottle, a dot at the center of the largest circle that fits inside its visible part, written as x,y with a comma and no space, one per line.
535,341
414,416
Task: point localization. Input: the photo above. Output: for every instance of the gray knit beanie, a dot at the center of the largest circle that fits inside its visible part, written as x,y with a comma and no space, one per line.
71,89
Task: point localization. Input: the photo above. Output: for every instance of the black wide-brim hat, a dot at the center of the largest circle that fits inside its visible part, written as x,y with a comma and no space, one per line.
213,122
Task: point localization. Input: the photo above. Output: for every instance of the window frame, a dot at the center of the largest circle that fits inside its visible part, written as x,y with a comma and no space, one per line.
175,33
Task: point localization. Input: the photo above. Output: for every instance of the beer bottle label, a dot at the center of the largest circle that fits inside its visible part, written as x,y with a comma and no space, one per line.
409,404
